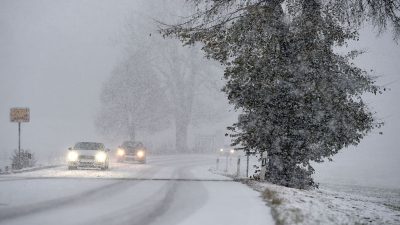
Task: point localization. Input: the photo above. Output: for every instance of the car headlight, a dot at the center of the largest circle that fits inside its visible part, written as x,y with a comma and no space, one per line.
72,156
101,157
140,153
120,152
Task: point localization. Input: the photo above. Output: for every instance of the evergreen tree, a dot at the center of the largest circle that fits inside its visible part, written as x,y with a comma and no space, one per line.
301,101
22,159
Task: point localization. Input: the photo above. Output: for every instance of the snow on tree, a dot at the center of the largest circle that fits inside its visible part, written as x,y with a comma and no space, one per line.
301,101
22,159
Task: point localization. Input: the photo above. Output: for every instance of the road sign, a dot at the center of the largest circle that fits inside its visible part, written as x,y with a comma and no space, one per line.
19,115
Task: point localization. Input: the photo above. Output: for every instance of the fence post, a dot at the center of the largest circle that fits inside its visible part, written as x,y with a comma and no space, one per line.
238,167
247,165
226,166
263,166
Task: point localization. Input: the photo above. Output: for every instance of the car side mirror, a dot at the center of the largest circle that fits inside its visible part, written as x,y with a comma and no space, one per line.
70,148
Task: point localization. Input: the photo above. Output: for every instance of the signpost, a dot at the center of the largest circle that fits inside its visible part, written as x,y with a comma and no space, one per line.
247,164
248,153
264,161
238,167
19,115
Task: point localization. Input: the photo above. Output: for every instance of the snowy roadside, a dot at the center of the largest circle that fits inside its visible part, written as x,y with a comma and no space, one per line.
30,169
326,206
50,162
330,204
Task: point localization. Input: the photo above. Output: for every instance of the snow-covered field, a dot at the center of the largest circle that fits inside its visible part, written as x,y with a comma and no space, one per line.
174,189
333,203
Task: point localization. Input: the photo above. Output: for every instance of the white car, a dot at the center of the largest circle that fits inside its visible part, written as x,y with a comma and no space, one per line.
88,155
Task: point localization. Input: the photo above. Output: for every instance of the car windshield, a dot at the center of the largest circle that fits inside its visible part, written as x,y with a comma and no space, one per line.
132,144
88,146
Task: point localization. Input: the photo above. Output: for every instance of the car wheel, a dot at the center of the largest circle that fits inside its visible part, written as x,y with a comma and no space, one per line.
105,167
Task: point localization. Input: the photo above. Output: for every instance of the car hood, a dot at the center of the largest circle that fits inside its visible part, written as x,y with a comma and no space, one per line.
87,152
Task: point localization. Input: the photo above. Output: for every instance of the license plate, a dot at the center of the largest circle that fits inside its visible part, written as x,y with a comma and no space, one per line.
86,161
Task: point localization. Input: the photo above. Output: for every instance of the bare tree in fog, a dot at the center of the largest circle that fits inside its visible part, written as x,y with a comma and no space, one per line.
132,99
183,70
159,81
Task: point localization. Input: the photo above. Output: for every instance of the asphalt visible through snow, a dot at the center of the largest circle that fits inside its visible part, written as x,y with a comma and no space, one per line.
174,189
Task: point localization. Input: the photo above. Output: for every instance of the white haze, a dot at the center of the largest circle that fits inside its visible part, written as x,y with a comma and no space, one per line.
55,56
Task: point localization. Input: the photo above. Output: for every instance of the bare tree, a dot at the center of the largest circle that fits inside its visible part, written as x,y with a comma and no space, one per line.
185,79
133,99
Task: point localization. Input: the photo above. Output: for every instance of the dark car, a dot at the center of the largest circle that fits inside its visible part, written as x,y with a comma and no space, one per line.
131,151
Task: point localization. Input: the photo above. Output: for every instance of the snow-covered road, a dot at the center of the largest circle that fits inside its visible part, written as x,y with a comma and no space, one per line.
167,190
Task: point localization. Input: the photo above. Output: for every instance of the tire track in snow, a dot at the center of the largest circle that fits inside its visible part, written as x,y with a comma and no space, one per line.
155,206
92,194
151,210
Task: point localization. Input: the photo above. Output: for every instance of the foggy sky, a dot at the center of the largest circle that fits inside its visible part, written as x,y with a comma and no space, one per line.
55,55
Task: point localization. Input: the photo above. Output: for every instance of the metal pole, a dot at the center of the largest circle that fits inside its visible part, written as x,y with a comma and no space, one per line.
247,165
263,164
226,167
19,145
238,167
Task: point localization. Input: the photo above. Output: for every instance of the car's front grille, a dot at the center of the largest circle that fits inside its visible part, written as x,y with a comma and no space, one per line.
86,157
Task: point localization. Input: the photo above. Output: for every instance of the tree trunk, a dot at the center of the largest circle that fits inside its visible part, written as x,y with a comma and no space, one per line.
131,131
181,131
